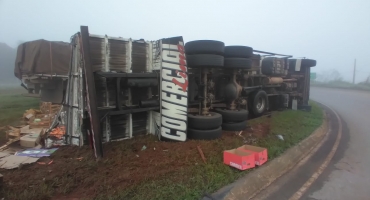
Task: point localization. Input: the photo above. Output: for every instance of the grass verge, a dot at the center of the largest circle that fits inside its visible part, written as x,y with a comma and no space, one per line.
164,170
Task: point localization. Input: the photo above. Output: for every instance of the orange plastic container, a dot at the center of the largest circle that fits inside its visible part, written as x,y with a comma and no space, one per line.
239,159
260,154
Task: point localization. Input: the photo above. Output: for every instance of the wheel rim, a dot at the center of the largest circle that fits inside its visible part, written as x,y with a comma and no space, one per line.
260,104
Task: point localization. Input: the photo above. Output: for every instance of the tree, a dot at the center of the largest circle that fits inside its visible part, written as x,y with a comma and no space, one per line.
329,75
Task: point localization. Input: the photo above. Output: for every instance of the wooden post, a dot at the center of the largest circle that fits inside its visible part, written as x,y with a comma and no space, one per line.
354,73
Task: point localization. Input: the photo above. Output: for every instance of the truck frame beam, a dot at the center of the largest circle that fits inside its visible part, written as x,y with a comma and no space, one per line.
91,94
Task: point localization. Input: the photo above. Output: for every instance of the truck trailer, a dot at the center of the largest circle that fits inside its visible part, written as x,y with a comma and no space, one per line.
42,67
119,88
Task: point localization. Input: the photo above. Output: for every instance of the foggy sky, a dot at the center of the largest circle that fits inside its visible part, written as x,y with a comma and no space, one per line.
332,32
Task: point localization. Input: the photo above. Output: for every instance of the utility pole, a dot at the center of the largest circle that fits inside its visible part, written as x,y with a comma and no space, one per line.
354,73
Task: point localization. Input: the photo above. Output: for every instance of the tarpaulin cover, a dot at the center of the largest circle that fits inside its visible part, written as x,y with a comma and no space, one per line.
42,57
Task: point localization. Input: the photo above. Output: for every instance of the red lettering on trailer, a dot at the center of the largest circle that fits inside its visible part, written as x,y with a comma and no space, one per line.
183,68
181,48
182,62
184,86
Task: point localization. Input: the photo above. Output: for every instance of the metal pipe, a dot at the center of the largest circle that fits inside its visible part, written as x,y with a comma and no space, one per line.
274,80
149,103
290,80
50,75
205,79
275,54
251,87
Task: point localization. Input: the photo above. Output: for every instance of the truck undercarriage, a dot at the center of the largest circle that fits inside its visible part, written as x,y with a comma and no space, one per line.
120,88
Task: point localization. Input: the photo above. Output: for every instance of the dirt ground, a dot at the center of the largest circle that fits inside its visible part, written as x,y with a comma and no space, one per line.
74,173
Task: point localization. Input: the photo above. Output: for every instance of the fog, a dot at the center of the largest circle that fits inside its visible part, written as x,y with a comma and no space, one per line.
332,32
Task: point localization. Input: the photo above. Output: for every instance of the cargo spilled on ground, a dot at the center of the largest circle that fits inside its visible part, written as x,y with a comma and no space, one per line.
164,170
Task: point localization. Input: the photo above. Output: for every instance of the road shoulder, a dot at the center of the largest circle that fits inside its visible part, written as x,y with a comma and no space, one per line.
251,184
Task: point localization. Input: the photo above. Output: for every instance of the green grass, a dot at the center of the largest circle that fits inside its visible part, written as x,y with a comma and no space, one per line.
200,179
12,107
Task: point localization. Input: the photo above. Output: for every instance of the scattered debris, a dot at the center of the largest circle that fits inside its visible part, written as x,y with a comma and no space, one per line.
2,155
37,153
240,135
45,163
32,135
154,148
58,132
13,161
5,146
47,107
165,150
30,114
143,148
280,137
13,132
201,154
32,139
137,155
79,159
38,146
42,118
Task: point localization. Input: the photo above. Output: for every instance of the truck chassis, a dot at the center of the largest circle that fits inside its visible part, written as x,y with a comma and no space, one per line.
120,88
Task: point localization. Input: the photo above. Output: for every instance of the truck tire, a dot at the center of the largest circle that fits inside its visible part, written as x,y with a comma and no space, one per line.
204,60
234,126
258,103
200,122
239,63
204,134
233,115
304,63
204,47
238,52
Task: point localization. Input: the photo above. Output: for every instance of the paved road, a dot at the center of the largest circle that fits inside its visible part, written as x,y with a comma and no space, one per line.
347,176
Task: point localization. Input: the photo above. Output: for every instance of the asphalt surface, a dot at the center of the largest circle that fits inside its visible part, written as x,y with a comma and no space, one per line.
347,176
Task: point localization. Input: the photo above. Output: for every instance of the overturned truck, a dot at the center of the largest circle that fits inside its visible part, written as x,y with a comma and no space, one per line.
42,66
120,88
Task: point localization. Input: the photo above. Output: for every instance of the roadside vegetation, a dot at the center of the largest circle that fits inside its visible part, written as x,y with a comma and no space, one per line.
333,79
342,84
144,168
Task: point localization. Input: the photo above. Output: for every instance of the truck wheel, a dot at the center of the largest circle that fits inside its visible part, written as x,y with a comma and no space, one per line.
213,121
234,126
233,115
204,47
240,63
238,52
258,103
204,60
204,134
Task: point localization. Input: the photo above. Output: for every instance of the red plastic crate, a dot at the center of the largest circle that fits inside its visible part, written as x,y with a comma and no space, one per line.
239,159
260,154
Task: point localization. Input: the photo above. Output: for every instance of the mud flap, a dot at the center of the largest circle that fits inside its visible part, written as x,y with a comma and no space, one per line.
173,90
